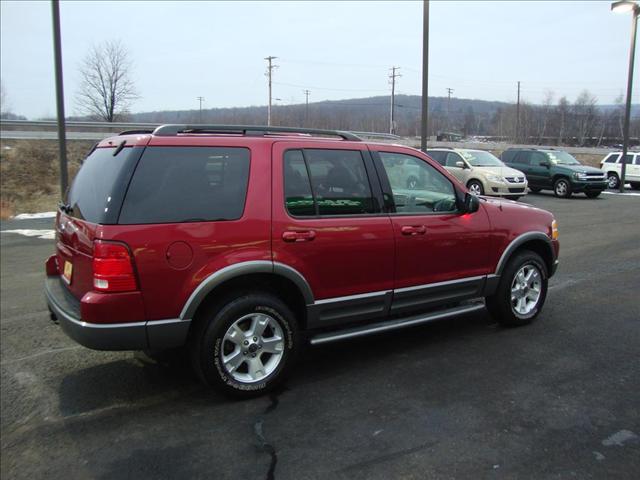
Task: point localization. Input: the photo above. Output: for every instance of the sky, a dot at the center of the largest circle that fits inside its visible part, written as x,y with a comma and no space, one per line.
182,50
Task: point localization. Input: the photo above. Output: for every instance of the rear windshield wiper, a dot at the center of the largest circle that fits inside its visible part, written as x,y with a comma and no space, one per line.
119,148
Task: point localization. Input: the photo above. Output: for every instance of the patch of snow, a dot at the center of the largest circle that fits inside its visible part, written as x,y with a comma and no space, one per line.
43,234
28,216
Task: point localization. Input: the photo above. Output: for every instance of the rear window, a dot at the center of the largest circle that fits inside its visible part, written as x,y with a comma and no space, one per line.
187,184
97,190
508,156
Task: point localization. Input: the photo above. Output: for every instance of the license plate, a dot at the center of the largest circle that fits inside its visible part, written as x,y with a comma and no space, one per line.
68,270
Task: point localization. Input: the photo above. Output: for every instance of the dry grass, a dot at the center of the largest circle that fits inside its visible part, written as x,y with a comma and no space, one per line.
29,174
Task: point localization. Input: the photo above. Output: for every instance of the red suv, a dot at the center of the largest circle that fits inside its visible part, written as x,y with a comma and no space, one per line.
242,243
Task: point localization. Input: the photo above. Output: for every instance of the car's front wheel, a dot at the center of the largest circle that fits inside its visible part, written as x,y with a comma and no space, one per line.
246,346
535,189
635,185
613,181
475,187
562,188
593,194
522,290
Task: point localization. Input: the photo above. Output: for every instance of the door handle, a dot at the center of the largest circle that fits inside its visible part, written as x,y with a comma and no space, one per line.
413,230
299,236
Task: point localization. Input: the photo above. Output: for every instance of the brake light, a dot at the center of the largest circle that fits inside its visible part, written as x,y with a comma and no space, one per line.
112,268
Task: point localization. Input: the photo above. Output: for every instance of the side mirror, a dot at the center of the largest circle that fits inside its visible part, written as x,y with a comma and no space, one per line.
460,164
545,164
471,203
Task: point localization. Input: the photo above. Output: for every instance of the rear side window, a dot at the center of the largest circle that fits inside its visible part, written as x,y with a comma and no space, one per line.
335,181
98,188
522,158
509,156
438,155
628,158
187,184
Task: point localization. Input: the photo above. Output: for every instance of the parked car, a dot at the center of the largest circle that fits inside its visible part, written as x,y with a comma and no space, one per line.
481,172
555,170
241,244
612,167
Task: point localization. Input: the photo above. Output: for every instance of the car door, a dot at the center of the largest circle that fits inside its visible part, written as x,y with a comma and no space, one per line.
539,170
441,254
329,225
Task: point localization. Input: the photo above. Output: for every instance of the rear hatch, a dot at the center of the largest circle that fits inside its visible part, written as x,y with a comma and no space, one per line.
94,199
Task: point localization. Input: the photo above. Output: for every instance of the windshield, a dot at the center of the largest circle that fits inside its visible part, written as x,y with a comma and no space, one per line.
562,158
481,159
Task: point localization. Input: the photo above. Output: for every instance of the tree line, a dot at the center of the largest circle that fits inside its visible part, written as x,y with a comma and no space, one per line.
107,91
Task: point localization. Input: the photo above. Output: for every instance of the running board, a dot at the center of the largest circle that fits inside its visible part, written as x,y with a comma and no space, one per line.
395,324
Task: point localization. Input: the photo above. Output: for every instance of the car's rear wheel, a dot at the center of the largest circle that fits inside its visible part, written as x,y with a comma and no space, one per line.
246,346
535,189
613,181
592,194
521,292
475,187
562,188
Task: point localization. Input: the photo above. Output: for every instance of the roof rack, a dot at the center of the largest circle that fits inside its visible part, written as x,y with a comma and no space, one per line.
248,130
136,132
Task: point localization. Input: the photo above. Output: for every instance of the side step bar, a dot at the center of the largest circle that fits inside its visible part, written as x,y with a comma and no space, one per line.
395,324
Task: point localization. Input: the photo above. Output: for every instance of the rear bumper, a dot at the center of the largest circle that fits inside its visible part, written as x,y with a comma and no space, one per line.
141,335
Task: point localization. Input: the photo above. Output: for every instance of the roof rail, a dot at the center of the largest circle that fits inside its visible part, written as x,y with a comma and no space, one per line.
248,130
136,132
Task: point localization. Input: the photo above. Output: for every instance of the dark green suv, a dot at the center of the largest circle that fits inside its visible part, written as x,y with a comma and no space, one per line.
555,170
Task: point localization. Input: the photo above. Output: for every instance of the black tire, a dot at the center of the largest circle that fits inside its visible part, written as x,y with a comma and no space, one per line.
208,344
535,189
562,188
635,185
592,194
500,304
515,198
613,181
477,185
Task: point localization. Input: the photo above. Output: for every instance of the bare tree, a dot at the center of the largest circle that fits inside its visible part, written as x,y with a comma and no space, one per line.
107,89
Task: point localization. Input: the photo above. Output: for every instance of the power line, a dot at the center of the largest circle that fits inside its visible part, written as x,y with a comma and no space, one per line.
449,92
200,99
269,74
392,78
306,110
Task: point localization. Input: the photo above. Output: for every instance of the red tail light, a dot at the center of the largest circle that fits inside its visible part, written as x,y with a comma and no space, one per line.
112,268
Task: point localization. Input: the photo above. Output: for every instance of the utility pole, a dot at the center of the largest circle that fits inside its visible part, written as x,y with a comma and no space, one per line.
449,92
392,76
518,115
62,139
425,76
306,111
269,73
200,99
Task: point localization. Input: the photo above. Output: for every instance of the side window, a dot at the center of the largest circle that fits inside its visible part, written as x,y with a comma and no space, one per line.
327,182
628,158
536,158
612,158
523,158
452,159
417,187
637,160
187,184
438,155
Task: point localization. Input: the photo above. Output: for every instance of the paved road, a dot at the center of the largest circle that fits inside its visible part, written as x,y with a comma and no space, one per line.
458,399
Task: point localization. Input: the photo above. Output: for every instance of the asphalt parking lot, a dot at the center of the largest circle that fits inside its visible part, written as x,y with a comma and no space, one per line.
456,399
